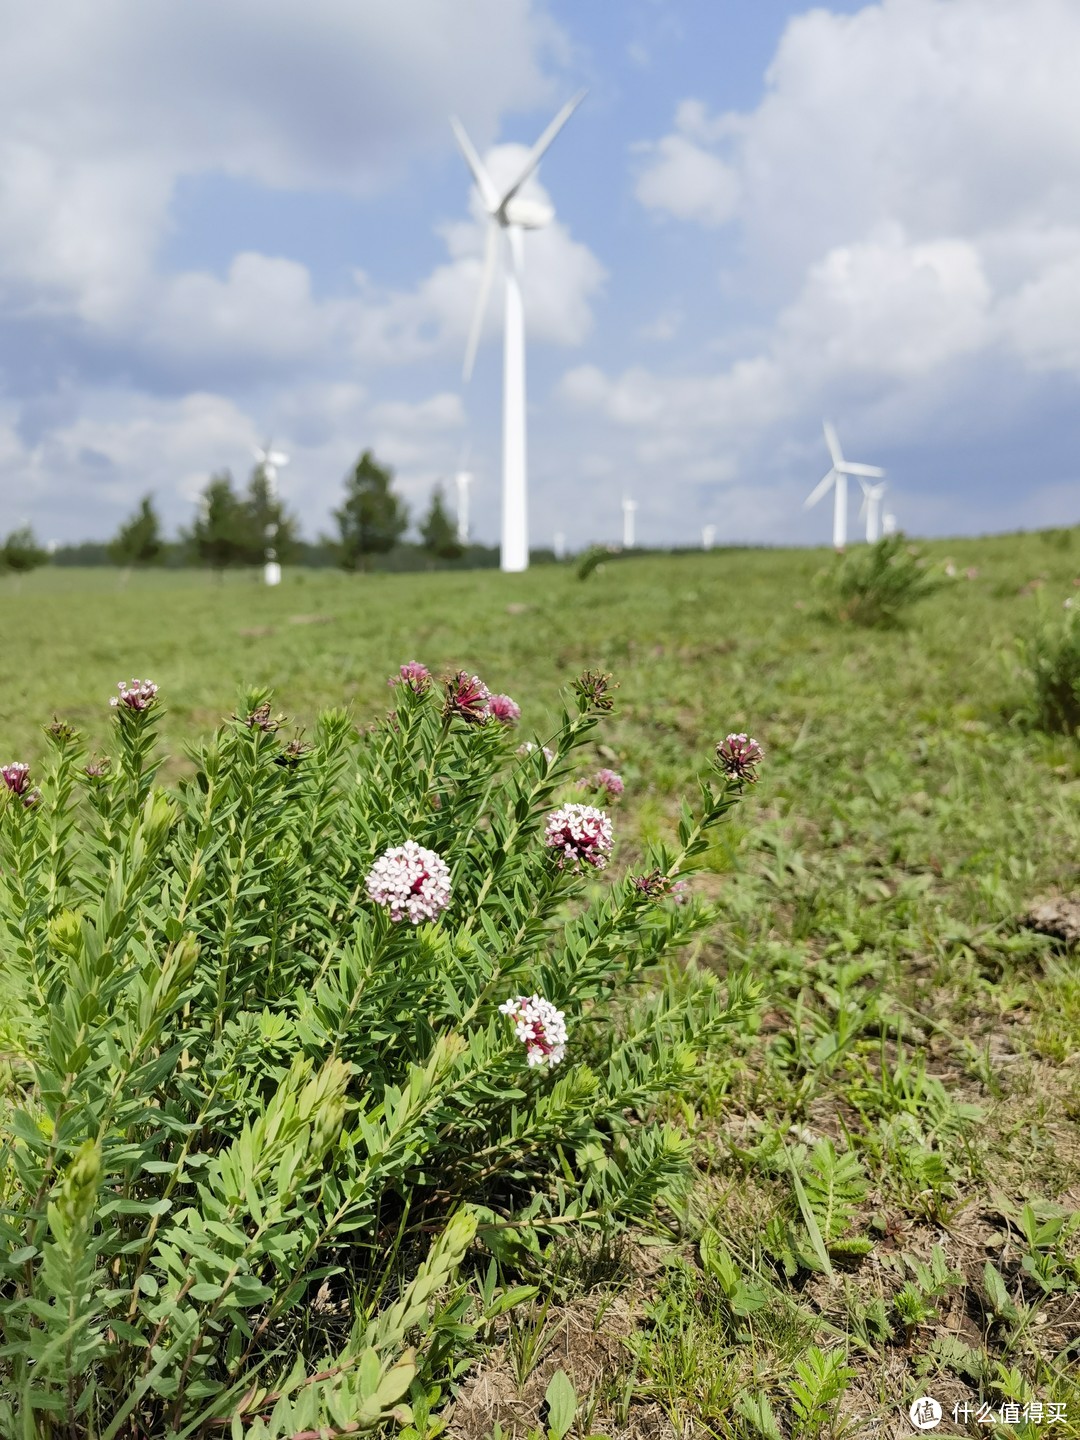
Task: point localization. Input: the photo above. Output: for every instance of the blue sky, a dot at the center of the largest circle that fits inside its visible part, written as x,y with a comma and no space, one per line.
219,223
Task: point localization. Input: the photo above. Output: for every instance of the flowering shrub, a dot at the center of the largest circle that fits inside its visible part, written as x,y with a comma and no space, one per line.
256,1043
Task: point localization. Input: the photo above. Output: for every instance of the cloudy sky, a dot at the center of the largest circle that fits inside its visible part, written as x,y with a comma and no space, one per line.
225,221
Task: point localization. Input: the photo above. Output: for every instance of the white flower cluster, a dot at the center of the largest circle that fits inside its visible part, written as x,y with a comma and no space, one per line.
540,1027
139,695
580,834
411,882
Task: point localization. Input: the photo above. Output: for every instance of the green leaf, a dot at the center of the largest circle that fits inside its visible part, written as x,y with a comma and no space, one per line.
562,1404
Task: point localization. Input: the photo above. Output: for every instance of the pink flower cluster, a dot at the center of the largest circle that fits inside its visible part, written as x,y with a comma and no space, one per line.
466,697
503,709
16,778
738,755
139,695
470,699
414,677
411,882
606,781
581,834
540,1026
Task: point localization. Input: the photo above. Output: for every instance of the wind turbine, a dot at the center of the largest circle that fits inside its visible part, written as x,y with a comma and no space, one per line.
888,524
509,213
838,477
871,508
559,545
629,508
463,479
708,535
269,460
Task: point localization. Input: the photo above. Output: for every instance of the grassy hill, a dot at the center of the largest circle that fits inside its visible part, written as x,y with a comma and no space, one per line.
918,1055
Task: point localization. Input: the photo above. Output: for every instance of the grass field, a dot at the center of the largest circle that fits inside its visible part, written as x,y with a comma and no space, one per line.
916,1036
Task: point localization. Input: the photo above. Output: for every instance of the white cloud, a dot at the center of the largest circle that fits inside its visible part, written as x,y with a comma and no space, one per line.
104,112
683,179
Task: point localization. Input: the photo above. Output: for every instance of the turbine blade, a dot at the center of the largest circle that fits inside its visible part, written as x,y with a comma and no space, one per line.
488,193
833,442
536,153
848,467
819,490
486,277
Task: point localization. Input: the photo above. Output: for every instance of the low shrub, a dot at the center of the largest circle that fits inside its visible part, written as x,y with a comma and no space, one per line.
1050,656
873,585
282,1045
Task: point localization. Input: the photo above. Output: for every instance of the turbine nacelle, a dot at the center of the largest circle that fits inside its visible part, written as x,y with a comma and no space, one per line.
528,214
269,460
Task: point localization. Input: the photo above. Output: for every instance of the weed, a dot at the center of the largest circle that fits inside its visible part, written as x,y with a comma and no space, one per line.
874,585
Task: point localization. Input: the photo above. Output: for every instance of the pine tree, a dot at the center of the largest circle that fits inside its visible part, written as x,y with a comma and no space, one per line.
265,523
21,552
218,535
373,519
437,531
138,541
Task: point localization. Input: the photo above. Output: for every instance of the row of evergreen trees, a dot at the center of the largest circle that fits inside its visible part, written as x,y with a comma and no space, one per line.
233,528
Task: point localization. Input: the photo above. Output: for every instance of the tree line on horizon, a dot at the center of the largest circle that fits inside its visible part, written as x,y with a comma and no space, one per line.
232,528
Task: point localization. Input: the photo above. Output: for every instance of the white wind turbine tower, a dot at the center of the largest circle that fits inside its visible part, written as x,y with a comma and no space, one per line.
559,545
629,509
871,508
270,459
888,524
708,535
838,478
463,478
509,213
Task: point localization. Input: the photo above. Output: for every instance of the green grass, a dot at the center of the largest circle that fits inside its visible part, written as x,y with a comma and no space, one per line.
904,821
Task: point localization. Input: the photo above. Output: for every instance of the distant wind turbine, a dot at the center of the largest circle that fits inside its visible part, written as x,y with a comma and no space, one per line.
463,479
629,508
560,545
871,508
888,524
509,213
269,461
708,535
838,478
